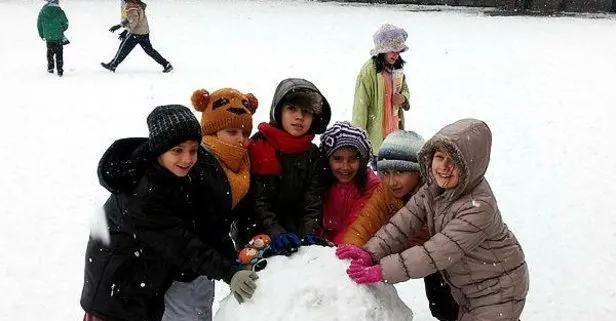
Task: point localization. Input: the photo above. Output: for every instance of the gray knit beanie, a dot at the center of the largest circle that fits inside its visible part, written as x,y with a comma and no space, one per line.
343,134
399,151
171,125
389,38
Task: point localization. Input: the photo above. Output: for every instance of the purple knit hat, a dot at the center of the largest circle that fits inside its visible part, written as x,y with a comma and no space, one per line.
343,134
389,38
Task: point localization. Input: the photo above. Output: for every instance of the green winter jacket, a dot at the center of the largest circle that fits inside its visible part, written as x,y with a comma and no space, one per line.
369,100
52,22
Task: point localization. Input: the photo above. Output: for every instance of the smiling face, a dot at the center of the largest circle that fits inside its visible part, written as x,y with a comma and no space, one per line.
180,159
401,184
344,164
295,120
444,170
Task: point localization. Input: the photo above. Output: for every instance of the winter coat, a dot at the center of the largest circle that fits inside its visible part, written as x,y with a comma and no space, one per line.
291,202
136,21
471,245
381,206
341,206
151,216
368,105
52,22
220,217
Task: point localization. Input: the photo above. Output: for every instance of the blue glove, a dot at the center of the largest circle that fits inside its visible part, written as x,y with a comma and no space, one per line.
312,239
286,243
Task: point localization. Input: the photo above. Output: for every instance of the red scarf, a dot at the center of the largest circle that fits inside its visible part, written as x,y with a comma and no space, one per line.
262,152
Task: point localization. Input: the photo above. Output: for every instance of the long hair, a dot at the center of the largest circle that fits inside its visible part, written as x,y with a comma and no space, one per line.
379,62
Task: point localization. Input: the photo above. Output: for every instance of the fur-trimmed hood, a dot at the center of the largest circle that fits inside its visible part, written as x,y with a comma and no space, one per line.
320,108
469,142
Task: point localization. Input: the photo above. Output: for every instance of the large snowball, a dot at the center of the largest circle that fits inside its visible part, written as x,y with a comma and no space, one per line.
312,285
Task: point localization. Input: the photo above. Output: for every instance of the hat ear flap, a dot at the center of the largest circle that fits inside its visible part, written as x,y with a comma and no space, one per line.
200,98
253,102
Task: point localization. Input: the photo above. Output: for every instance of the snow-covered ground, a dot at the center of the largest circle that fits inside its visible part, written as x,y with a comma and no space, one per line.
544,85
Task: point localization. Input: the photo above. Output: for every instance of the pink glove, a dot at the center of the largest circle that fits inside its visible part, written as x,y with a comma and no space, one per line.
365,274
355,253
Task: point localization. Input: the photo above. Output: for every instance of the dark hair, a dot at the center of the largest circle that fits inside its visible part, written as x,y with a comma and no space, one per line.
379,62
360,177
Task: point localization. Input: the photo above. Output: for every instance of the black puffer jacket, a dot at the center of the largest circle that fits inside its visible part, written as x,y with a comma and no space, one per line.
214,225
292,201
152,216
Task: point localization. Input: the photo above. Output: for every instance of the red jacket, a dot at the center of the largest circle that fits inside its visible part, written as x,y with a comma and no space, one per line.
342,204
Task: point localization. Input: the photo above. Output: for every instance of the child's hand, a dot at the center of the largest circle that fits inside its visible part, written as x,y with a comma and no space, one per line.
286,243
355,253
114,28
397,99
365,274
312,239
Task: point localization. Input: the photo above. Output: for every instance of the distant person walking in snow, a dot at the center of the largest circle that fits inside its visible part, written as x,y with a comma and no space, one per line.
381,92
136,23
51,24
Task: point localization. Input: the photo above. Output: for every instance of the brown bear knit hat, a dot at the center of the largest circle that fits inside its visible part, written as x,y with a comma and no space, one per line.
224,108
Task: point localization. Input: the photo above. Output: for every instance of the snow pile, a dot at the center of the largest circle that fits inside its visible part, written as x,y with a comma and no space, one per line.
312,285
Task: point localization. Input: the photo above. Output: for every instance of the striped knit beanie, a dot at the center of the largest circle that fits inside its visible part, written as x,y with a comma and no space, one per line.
343,134
170,126
399,151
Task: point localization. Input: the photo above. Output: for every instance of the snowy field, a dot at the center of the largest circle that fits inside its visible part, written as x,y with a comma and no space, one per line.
544,85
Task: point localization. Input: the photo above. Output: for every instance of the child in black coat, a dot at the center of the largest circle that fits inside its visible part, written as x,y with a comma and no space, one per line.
287,167
151,214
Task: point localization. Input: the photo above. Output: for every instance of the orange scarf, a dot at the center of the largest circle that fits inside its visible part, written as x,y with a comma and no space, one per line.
235,163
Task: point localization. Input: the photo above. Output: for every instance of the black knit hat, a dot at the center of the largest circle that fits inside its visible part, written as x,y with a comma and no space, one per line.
171,125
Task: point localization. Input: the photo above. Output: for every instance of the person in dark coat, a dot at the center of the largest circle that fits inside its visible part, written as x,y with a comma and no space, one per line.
152,213
226,123
51,24
287,167
136,23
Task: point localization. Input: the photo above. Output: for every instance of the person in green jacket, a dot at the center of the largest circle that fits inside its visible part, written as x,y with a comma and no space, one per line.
381,92
51,24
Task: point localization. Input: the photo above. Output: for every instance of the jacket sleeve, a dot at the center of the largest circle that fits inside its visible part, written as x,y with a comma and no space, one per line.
64,20
394,236
362,101
460,236
371,217
39,24
406,94
313,202
266,189
151,223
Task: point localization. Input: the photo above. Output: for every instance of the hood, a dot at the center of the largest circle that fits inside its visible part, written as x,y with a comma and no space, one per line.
319,122
122,164
469,141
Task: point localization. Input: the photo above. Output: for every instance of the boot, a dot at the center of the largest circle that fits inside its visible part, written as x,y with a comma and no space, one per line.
60,72
168,68
108,66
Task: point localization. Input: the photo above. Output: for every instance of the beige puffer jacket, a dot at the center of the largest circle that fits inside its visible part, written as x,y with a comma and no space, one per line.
470,244
136,21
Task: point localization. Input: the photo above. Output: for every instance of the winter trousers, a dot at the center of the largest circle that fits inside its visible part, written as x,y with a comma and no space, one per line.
128,44
55,50
189,301
442,304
